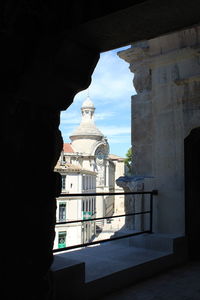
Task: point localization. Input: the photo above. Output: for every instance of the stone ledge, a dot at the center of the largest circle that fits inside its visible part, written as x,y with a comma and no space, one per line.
115,265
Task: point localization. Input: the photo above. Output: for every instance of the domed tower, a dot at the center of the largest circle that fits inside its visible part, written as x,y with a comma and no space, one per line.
91,151
87,138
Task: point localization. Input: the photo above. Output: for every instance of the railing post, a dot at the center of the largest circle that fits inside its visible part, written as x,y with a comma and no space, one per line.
151,212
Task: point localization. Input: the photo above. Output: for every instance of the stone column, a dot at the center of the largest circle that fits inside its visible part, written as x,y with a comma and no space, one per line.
164,111
142,128
142,119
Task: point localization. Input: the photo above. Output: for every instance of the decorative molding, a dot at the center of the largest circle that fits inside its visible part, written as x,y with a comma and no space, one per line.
136,56
172,56
187,80
142,79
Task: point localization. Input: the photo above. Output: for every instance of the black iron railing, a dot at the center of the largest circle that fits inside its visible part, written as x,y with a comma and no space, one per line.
149,211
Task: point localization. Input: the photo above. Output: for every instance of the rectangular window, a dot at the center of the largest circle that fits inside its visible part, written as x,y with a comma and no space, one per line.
89,182
93,205
92,182
84,182
62,212
63,182
83,205
62,239
86,205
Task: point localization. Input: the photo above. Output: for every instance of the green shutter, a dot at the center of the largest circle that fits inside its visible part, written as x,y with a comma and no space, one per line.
62,239
87,215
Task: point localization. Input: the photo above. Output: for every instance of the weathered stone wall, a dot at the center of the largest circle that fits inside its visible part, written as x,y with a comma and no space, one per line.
164,111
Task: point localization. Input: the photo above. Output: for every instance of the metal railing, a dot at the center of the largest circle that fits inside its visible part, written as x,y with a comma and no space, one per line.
149,211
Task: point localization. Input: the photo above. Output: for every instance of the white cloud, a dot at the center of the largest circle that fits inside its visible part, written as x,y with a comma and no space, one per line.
68,117
104,115
111,80
115,130
121,139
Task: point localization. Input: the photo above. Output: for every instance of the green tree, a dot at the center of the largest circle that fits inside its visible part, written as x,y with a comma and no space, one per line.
128,160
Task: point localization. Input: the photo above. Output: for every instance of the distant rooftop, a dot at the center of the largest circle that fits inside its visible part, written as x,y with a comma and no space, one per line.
115,157
67,167
67,148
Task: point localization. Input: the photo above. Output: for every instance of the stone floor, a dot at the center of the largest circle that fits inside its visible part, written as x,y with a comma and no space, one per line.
182,283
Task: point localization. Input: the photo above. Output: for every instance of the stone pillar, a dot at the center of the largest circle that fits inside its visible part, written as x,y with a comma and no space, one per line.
142,118
164,111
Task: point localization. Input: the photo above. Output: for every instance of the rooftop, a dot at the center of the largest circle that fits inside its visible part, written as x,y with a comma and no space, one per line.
65,167
115,157
67,148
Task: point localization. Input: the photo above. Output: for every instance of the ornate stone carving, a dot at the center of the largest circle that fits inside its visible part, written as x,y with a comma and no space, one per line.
138,58
142,79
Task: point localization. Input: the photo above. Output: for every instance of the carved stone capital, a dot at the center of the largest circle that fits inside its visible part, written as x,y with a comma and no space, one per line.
134,54
142,79
138,58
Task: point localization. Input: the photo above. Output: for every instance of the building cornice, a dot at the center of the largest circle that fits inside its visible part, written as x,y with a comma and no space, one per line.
137,56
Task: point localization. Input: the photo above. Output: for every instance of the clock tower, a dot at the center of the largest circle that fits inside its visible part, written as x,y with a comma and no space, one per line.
91,150
87,139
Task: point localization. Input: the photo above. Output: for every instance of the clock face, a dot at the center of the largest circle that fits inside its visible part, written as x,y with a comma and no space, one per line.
101,153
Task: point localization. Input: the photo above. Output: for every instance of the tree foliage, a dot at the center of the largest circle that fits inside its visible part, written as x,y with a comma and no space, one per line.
128,160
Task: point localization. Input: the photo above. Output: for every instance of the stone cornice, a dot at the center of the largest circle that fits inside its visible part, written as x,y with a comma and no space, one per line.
134,54
138,56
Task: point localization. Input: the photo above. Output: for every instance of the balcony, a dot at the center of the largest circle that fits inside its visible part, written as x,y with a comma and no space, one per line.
103,265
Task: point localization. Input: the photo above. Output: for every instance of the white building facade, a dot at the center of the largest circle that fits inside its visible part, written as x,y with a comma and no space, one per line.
87,167
75,180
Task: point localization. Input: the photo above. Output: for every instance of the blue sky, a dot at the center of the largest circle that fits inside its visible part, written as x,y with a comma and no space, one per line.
110,90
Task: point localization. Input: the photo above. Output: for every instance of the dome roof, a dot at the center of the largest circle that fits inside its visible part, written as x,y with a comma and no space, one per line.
87,129
88,103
